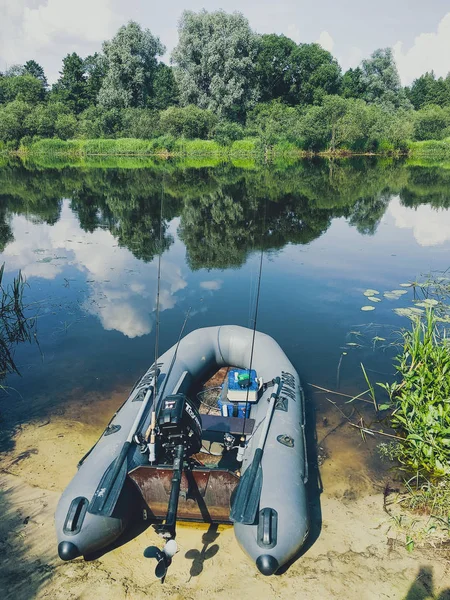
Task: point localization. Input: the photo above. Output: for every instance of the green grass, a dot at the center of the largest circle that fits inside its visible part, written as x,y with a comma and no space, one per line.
245,147
135,147
168,145
110,147
430,148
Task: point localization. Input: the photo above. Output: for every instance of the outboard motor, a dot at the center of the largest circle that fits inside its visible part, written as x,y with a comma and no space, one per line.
179,436
179,423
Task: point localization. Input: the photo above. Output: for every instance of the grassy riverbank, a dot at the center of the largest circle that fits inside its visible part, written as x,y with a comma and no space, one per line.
168,146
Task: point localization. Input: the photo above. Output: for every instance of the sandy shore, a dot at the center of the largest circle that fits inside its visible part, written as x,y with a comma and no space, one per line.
359,554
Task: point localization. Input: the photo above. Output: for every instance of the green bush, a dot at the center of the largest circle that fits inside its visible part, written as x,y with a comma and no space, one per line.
189,122
65,126
98,122
274,122
227,132
430,123
140,123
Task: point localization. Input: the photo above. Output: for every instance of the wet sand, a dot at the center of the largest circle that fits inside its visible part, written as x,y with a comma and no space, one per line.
359,554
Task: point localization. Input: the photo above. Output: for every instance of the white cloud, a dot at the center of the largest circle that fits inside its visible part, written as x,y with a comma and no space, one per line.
47,31
430,51
430,226
326,41
122,289
215,284
351,58
293,31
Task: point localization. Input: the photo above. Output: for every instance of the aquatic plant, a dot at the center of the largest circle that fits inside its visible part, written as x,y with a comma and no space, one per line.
15,326
420,401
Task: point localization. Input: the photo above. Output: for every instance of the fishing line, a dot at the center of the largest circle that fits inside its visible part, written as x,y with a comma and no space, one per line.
158,289
256,316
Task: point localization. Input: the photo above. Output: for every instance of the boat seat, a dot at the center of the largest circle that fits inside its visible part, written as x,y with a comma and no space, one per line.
214,426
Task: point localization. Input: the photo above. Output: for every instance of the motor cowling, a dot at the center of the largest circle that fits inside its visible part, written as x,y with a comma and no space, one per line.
179,422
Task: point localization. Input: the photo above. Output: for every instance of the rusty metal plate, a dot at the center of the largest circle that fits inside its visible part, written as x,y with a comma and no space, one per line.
204,496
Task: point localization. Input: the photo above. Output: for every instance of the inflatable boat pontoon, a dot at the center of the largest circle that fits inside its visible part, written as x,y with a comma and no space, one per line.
146,456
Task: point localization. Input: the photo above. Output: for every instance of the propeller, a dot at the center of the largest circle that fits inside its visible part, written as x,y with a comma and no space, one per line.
163,557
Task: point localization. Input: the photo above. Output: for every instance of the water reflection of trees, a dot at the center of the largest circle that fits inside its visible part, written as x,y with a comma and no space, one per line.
224,212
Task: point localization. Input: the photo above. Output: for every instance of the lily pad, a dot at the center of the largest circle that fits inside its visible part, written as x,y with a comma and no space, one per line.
367,308
405,284
371,292
399,292
373,299
391,296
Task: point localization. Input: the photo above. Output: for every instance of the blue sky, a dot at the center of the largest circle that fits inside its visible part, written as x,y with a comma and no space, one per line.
419,32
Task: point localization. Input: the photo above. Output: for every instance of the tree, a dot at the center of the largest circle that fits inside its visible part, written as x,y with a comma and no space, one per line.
334,109
41,120
352,84
12,120
165,90
429,90
131,64
14,71
25,88
274,66
71,86
31,67
95,70
314,74
214,62
381,80
314,129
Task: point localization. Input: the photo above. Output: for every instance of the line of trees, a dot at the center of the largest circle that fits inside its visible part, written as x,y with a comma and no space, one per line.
225,82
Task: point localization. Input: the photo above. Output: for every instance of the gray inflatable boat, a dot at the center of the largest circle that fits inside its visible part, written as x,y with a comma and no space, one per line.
128,473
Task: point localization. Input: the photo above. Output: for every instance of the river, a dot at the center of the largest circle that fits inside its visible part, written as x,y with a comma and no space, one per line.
87,240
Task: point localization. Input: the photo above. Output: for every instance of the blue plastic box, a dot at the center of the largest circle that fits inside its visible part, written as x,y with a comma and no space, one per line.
236,393
233,409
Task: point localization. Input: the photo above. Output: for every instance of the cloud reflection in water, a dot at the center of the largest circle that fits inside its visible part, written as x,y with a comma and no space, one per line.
122,289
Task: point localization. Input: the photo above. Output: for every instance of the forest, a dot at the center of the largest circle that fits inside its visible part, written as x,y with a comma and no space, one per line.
225,85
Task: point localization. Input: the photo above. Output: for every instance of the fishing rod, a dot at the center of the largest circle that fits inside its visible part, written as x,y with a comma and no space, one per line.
150,436
258,290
